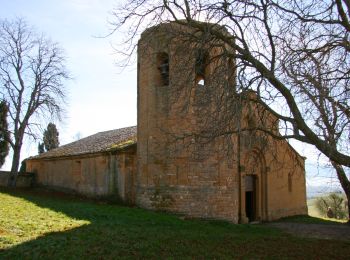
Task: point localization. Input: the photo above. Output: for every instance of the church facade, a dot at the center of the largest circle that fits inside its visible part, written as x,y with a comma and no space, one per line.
200,149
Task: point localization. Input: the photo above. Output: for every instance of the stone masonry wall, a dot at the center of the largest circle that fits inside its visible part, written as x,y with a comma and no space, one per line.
93,175
181,172
176,170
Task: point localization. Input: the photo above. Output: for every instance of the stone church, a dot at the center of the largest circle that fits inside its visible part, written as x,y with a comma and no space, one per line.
200,148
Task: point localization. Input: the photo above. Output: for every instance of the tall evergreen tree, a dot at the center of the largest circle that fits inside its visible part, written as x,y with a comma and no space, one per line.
4,134
41,148
51,137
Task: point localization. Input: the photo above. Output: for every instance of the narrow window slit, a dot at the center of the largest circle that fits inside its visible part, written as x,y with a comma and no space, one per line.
163,67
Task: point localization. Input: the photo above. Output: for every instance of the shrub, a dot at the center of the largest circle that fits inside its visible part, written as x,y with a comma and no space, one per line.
334,201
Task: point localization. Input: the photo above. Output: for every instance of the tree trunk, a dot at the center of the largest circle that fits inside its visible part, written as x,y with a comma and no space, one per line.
14,168
347,197
345,183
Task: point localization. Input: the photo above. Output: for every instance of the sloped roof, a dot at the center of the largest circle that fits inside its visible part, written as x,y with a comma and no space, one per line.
101,142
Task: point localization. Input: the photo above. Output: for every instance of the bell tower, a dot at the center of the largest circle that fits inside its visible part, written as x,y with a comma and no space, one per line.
179,73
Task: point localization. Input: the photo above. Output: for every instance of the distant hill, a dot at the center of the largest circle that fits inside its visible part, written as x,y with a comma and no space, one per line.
320,180
315,191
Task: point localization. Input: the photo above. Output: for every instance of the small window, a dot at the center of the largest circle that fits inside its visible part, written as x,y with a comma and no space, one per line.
251,121
201,65
163,68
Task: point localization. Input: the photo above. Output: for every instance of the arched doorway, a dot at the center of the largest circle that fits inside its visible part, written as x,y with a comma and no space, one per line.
254,187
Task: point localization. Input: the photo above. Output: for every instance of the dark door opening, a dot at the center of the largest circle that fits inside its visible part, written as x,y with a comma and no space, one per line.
250,205
250,200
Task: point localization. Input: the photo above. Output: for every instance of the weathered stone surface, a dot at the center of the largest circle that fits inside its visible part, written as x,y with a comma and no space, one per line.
206,178
101,174
24,180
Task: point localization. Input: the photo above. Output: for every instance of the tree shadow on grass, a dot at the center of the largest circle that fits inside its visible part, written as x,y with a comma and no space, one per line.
114,231
121,232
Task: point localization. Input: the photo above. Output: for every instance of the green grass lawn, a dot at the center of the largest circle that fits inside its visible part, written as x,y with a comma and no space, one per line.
48,226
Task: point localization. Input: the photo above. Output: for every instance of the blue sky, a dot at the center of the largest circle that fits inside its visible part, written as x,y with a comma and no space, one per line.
101,97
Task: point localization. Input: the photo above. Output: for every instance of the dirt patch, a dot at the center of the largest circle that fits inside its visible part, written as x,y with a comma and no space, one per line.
3,232
324,231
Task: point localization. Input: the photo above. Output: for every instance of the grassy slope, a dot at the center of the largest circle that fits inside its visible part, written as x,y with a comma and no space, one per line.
43,226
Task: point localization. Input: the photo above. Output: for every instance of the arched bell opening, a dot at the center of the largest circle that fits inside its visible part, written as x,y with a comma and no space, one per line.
201,67
162,78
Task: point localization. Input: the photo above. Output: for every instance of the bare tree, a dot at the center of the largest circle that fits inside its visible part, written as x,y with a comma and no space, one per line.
32,74
293,54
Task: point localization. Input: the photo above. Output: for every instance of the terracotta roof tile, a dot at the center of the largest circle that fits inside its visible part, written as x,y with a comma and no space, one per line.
100,142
